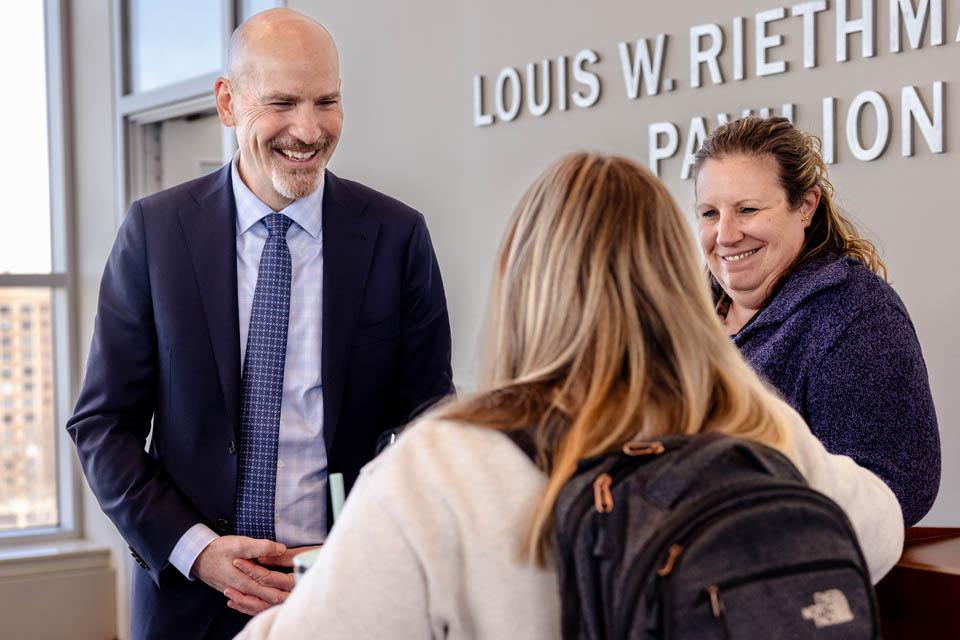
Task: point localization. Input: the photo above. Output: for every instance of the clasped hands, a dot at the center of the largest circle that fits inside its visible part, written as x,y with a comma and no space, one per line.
242,569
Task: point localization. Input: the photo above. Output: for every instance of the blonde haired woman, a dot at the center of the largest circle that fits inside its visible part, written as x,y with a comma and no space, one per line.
601,331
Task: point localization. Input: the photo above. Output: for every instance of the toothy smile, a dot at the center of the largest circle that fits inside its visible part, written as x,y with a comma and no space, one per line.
297,155
739,256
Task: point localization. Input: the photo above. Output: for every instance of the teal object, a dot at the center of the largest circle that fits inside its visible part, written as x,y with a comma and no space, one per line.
337,497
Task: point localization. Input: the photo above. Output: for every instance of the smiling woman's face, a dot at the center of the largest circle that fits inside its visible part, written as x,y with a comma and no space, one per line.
748,231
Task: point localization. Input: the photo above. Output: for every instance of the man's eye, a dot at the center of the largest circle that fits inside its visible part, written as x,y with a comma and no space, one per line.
280,103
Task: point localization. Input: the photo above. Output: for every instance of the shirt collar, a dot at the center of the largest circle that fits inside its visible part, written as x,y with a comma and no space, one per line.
307,212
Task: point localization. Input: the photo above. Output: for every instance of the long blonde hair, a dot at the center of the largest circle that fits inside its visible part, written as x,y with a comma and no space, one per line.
601,329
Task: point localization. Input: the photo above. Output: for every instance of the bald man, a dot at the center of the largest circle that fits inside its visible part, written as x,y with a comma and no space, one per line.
269,321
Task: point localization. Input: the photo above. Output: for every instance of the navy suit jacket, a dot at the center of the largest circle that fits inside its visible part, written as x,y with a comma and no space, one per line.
166,352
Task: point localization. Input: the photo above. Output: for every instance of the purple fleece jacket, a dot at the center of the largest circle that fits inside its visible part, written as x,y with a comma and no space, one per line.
837,343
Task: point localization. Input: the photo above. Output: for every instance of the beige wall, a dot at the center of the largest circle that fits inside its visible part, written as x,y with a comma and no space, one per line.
408,68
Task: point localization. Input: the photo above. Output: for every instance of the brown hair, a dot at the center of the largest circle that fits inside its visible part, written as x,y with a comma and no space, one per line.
601,329
801,168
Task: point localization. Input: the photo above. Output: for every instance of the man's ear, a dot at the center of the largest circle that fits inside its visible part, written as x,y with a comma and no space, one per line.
226,102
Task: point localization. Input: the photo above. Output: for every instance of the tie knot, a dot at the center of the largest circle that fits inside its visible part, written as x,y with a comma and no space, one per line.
277,224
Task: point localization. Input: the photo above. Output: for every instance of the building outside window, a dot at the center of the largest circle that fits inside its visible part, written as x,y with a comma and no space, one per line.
34,330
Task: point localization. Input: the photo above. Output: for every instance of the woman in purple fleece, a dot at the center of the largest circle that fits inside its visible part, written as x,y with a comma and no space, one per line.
806,300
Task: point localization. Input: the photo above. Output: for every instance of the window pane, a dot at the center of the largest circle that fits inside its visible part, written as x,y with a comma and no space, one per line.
173,40
25,172
251,7
28,484
174,151
189,148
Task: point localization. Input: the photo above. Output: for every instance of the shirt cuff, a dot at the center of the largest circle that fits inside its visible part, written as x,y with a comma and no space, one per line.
189,547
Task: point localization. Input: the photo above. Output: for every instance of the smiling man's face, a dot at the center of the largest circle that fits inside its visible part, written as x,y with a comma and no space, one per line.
283,98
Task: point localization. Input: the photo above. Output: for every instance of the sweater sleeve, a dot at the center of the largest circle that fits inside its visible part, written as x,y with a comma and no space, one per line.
366,583
870,505
869,398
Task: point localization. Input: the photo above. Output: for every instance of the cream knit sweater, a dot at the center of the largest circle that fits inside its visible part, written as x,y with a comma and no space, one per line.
427,544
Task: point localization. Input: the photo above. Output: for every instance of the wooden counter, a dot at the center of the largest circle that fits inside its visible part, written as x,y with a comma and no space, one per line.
920,597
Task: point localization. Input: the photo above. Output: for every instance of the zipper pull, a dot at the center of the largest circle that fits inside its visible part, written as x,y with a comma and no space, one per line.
602,498
715,605
674,553
643,448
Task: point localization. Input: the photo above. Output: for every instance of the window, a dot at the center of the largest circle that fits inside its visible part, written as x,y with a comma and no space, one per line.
36,479
173,41
250,7
170,54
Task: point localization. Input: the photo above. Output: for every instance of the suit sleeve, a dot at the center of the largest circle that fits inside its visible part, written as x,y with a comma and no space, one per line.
870,399
116,406
425,344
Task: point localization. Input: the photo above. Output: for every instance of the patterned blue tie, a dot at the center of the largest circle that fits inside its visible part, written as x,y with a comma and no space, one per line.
262,385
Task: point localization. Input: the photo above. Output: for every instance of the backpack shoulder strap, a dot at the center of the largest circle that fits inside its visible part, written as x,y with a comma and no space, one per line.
523,438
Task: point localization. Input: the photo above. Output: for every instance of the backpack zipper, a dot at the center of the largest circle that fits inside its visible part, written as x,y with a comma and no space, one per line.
602,498
644,448
802,567
599,497
714,590
621,466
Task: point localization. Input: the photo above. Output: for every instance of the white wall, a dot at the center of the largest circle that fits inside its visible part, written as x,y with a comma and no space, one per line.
407,74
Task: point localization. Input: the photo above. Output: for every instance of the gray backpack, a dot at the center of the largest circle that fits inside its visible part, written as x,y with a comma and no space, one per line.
705,537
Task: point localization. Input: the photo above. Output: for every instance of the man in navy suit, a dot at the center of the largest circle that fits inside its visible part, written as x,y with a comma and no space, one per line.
269,320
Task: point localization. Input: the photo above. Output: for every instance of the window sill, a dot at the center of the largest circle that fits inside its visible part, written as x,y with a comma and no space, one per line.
32,559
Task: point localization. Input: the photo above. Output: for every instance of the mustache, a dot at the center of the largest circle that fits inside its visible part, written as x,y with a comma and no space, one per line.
298,146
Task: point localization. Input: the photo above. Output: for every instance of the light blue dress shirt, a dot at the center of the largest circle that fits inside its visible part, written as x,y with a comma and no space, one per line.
300,499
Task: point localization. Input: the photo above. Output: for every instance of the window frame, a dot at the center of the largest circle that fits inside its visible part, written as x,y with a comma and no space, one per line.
133,109
60,281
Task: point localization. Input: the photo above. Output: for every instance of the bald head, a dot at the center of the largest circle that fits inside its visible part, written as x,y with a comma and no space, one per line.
278,32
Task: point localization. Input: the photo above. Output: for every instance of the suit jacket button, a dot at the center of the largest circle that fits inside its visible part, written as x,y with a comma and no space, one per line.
232,447
223,526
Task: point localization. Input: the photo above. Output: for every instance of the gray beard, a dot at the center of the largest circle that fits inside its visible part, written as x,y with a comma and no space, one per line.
294,186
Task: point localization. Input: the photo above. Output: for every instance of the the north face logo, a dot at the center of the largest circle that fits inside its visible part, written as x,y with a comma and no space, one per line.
829,608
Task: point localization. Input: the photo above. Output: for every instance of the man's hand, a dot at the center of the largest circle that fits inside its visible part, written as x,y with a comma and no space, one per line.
285,559
223,565
257,571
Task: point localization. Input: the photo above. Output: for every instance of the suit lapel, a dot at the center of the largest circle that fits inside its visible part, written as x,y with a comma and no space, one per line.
348,240
210,231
